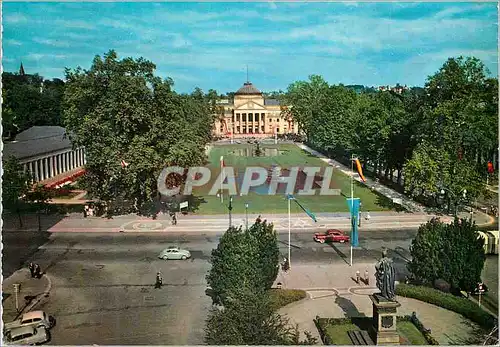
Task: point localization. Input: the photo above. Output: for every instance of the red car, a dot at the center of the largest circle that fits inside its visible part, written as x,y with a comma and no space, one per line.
331,235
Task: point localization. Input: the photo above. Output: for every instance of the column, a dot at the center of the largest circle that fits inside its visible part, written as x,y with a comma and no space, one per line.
40,170
79,157
25,167
63,162
59,166
46,167
51,166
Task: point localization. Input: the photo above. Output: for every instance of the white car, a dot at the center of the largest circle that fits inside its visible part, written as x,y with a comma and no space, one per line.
36,319
27,335
174,252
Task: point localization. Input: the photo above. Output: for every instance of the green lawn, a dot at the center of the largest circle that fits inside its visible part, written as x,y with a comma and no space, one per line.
292,156
406,329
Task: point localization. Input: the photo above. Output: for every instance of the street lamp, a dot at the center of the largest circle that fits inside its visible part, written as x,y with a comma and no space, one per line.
230,207
246,213
455,200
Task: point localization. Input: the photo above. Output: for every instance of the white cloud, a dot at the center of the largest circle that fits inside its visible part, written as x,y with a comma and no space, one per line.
78,24
13,42
117,24
15,18
54,43
37,56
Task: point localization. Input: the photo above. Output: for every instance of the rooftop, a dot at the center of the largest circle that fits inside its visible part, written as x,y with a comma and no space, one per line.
248,89
37,140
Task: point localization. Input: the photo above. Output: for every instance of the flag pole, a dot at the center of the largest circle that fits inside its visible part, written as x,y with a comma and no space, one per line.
352,198
221,179
289,228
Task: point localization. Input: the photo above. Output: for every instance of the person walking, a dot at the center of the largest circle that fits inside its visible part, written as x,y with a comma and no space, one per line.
174,219
159,280
367,278
37,271
31,266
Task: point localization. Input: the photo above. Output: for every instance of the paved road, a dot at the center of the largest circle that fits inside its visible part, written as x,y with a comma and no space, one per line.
102,289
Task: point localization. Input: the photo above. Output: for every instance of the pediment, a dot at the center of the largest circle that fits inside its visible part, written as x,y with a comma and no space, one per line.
251,105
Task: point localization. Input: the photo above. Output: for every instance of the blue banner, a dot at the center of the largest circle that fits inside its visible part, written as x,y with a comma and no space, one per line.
354,209
309,213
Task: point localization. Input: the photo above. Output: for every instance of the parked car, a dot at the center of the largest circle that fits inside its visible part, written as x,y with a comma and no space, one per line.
331,235
174,252
27,335
36,319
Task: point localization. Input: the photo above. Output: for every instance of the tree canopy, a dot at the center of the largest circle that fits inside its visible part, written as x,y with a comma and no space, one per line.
120,111
438,136
451,252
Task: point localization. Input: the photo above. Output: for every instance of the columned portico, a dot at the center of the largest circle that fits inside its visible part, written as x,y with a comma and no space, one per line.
251,113
49,165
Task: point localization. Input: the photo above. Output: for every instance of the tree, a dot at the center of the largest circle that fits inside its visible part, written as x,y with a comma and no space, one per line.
16,184
119,111
247,258
40,196
452,252
249,320
29,100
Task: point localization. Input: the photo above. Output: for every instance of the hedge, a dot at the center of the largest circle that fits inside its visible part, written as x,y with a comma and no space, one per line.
283,297
460,305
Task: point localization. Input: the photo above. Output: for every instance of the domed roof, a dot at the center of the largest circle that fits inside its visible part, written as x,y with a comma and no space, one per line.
248,89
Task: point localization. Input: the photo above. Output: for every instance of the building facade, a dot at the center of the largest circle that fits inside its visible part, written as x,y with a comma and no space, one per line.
250,114
46,152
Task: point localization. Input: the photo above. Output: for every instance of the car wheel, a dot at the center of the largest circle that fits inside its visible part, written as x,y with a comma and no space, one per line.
165,257
183,257
322,241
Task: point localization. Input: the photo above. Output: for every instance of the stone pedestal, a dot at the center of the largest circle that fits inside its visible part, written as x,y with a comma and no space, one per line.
384,320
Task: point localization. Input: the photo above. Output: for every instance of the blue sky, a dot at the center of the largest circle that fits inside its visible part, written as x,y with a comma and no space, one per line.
209,44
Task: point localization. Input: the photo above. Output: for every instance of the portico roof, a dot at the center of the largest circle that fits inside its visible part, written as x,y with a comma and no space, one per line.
248,89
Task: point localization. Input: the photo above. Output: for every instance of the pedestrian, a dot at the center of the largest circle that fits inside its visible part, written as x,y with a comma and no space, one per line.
258,220
37,271
85,211
357,276
159,280
174,220
368,216
31,266
367,278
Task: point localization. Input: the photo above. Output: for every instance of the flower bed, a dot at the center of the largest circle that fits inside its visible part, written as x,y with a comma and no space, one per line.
333,331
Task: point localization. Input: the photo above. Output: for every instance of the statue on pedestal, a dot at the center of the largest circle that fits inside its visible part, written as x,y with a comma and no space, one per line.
386,277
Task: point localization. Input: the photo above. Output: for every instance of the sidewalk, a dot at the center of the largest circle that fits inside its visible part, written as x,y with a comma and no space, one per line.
37,292
332,292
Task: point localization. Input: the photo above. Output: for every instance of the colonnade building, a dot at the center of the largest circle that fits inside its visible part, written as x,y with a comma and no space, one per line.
46,152
250,114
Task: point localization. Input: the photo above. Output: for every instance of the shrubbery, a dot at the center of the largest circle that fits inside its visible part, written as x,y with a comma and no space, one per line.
283,297
463,306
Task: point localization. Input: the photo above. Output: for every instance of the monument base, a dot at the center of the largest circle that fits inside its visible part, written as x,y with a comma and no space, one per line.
384,320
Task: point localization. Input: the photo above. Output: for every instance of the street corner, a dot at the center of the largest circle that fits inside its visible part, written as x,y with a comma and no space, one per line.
22,293
146,226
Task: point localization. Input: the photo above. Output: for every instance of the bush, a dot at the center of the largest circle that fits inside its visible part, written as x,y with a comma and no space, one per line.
460,305
442,285
282,297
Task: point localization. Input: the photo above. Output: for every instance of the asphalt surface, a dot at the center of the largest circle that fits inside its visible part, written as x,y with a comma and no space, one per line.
102,284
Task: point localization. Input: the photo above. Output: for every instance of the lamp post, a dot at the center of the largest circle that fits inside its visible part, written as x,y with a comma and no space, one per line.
455,200
230,207
246,213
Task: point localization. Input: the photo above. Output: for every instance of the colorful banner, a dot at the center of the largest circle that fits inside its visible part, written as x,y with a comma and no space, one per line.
354,209
360,171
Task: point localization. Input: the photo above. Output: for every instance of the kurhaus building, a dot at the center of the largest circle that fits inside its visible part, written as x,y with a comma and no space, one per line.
252,115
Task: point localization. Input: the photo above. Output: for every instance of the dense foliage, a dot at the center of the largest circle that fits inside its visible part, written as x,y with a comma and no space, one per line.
440,136
29,100
244,267
15,184
246,258
120,111
451,252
